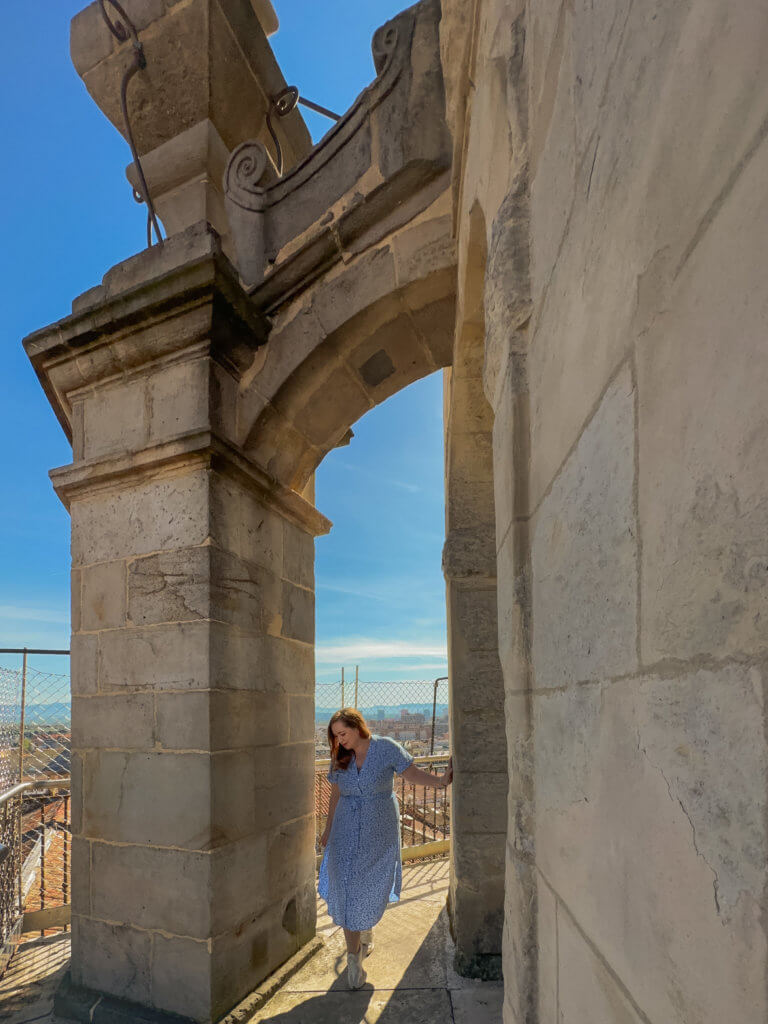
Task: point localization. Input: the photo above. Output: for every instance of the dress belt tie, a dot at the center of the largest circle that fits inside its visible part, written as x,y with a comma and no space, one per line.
366,796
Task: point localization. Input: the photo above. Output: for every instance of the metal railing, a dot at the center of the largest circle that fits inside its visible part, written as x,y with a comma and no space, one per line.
35,858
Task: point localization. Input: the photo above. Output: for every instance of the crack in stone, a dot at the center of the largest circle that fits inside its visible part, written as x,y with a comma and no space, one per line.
674,798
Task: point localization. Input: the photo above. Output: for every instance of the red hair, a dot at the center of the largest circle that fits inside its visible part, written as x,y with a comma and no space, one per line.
340,756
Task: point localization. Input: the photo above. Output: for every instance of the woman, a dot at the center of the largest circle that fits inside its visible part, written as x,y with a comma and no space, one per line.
361,870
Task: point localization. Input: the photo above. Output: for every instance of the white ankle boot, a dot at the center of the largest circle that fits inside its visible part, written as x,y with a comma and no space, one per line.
366,940
355,971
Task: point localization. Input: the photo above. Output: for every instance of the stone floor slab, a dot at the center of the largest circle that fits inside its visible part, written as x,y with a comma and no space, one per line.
411,979
28,986
478,1006
366,1006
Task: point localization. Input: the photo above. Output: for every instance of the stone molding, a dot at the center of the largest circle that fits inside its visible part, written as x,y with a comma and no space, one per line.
114,328
361,164
199,449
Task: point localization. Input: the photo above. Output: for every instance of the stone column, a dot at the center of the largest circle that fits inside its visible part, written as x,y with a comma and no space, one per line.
479,814
192,651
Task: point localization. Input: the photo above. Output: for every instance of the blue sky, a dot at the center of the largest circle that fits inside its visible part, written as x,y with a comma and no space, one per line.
68,216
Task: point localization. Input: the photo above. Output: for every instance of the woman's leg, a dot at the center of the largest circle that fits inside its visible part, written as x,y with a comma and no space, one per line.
353,941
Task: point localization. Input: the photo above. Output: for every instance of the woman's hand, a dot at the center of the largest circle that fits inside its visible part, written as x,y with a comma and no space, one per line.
324,836
447,777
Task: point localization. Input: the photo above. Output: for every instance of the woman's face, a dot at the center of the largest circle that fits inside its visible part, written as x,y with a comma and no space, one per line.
347,735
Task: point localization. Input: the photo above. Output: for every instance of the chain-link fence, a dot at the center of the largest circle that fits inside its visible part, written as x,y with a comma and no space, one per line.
10,725
414,712
35,833
36,704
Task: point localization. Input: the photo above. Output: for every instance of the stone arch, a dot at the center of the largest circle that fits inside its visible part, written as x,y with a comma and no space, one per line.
351,340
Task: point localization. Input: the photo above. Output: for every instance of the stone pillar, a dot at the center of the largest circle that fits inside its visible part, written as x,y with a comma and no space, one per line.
192,652
479,797
208,84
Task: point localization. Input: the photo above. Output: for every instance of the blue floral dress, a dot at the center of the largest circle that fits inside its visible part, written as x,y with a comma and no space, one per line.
361,871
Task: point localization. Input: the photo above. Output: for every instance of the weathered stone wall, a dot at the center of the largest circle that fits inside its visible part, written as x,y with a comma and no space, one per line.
618,155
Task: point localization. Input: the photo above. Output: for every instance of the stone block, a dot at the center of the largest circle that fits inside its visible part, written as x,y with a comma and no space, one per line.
102,596
241,961
298,622
469,504
302,718
219,720
163,799
171,512
328,413
239,888
84,663
477,682
514,612
553,162
203,583
76,775
111,958
481,737
470,411
298,556
90,39
76,599
284,783
584,553
262,534
479,915
423,248
470,553
125,721
268,664
170,586
477,858
546,933
366,280
276,445
519,941
473,616
435,324
702,498
179,399
470,456
662,782
510,448
166,890
480,799
167,657
235,803
390,358
291,855
589,991
143,12
115,419
80,876
181,976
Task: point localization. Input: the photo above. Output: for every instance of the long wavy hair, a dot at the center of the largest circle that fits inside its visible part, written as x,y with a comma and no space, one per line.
351,717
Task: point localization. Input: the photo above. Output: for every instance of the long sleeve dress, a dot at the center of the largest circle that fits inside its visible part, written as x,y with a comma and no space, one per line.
361,870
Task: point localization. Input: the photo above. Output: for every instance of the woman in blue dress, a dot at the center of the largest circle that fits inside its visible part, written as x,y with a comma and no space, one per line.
361,870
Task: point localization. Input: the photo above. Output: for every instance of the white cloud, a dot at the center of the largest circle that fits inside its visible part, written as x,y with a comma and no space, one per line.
357,651
18,614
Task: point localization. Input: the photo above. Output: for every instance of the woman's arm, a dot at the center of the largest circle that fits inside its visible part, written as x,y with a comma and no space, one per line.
418,777
335,793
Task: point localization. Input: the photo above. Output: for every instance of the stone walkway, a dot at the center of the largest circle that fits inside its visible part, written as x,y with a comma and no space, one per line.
410,975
